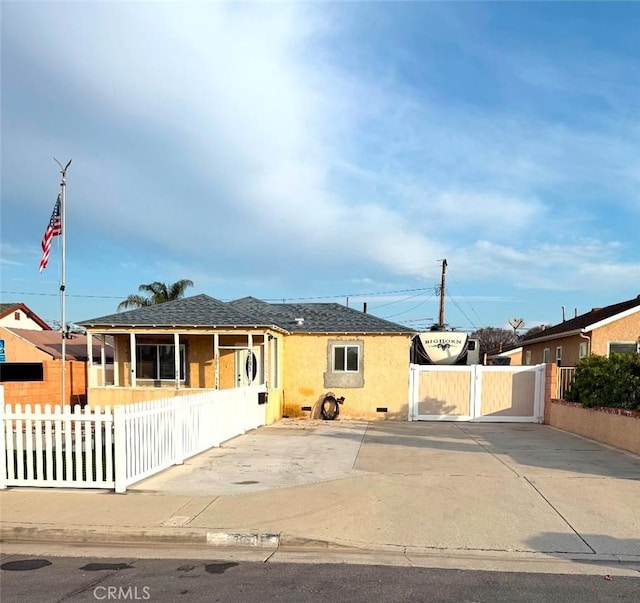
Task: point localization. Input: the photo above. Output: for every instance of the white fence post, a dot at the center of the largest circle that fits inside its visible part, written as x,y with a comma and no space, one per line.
178,426
3,448
120,449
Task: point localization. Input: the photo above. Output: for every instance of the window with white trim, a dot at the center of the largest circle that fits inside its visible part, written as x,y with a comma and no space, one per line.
583,350
346,358
157,361
546,355
622,347
559,355
527,357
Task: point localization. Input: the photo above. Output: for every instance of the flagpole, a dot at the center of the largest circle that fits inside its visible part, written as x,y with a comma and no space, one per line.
63,322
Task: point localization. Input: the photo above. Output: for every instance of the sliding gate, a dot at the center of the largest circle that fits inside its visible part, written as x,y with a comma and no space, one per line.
477,393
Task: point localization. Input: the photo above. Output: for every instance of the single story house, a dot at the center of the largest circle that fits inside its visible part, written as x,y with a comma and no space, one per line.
297,354
614,328
507,356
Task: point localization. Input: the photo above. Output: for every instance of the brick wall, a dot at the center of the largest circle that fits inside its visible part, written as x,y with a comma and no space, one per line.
48,391
550,388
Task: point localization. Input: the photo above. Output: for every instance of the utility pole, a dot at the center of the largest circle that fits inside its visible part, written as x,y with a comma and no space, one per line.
442,294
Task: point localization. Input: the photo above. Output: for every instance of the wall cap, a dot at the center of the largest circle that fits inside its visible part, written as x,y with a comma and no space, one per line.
606,409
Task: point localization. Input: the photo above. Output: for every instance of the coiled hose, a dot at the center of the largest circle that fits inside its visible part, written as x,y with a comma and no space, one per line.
330,408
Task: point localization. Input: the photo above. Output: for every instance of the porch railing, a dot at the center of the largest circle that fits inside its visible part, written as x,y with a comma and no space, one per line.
75,447
566,376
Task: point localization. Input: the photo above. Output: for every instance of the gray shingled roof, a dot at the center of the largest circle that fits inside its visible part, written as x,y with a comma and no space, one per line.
196,311
317,317
205,311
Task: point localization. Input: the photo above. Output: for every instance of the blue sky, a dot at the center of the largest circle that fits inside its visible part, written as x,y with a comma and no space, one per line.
324,150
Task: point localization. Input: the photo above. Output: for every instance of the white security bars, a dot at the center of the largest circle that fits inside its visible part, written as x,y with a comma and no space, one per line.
113,448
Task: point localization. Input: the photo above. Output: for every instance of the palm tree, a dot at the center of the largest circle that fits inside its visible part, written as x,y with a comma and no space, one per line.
159,293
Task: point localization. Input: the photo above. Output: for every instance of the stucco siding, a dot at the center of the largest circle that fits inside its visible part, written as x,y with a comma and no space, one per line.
615,430
570,350
385,375
19,350
626,329
23,321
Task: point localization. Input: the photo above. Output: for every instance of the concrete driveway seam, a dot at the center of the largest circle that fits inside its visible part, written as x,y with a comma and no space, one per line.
558,513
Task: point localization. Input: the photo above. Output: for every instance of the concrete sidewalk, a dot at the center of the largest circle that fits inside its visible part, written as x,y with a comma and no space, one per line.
505,491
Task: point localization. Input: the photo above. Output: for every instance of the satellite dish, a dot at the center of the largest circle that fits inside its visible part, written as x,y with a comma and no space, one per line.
516,323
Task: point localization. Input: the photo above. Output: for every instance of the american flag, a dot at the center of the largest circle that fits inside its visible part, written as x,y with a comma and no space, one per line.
54,229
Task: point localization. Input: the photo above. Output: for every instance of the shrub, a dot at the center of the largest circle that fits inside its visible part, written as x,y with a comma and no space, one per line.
613,381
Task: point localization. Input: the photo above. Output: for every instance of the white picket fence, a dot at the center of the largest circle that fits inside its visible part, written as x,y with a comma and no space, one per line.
61,446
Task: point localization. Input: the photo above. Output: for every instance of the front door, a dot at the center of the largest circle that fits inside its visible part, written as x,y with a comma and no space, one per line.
248,367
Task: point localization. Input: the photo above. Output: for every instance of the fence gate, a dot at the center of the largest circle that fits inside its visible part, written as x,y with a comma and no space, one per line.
477,393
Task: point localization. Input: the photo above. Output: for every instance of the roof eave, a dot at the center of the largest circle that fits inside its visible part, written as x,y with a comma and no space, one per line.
555,336
179,326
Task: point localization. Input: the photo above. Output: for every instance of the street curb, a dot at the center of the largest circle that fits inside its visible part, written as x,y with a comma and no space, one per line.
280,543
116,535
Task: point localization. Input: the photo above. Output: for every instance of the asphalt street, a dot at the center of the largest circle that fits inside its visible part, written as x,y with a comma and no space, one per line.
27,579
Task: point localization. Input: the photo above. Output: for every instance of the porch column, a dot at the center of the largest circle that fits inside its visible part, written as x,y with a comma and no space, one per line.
132,344
116,363
216,361
103,361
176,358
89,361
266,350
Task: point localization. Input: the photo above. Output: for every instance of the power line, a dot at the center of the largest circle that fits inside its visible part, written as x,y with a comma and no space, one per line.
455,303
398,301
468,302
269,299
424,301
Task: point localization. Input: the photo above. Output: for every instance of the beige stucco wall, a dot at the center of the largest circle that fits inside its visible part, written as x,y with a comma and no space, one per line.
385,372
624,330
19,350
570,350
615,430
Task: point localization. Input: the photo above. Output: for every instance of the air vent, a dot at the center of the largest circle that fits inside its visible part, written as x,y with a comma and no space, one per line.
299,321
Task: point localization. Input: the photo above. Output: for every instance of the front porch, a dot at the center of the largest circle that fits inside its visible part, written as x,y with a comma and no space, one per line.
152,363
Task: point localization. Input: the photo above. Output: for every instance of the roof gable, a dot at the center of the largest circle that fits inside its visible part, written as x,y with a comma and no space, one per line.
8,308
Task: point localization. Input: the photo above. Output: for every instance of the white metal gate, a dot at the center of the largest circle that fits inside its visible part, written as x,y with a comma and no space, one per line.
477,393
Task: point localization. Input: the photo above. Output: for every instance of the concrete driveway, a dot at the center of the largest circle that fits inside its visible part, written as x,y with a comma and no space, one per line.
419,486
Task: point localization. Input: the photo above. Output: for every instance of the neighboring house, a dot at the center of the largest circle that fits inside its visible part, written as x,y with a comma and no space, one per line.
297,353
601,331
508,356
32,370
19,316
